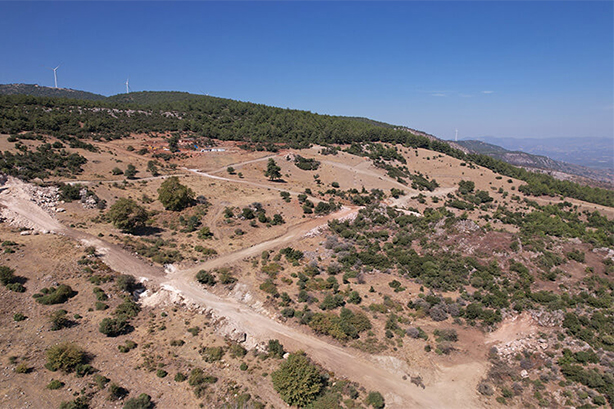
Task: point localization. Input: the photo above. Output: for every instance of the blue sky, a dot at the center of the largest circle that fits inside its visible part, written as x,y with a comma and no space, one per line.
507,69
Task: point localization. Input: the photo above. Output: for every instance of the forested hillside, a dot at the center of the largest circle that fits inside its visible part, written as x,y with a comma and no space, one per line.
225,119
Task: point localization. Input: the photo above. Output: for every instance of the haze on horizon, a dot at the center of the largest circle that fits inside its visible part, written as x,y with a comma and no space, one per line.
505,69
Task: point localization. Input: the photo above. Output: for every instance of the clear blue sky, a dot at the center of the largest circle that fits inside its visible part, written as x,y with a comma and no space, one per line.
508,69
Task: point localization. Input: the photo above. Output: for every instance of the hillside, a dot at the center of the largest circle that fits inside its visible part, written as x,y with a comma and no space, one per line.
42,91
202,238
539,162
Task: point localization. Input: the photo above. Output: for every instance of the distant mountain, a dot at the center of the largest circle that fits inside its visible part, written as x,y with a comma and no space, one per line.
538,162
40,91
595,153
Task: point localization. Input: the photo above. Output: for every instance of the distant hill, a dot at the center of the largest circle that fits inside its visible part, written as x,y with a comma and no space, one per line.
40,91
595,153
539,162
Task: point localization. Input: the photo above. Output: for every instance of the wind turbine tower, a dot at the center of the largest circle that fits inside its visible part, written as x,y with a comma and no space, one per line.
128,86
55,75
456,137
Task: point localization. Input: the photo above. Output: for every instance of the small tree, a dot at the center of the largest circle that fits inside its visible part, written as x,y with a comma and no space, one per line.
376,400
297,380
7,275
152,168
273,172
130,171
127,215
175,196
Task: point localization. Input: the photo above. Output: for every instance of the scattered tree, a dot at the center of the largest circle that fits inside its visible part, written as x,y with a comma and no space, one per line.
127,215
175,196
273,172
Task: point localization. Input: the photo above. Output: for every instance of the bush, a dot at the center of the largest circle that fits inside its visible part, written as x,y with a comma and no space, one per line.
113,327
486,389
22,368
438,313
80,403
180,377
65,357
212,354
175,196
117,392
19,317
126,283
204,277
59,320
101,381
449,334
376,400
7,275
127,215
161,373
142,402
297,380
55,295
127,309
276,349
55,384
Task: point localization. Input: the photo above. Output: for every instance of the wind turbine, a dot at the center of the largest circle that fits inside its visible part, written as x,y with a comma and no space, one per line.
456,137
55,75
128,85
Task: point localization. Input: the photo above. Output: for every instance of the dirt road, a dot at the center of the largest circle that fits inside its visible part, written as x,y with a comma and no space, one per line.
454,387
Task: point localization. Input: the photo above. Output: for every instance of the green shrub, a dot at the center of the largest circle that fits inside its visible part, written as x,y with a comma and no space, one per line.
212,354
55,384
80,403
65,357
127,347
101,381
297,380
100,306
161,373
142,402
180,377
205,277
19,317
7,275
113,327
117,392
126,283
100,294
55,295
275,348
376,400
127,309
59,320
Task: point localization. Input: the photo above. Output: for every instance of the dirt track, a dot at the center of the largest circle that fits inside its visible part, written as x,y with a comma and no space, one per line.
454,388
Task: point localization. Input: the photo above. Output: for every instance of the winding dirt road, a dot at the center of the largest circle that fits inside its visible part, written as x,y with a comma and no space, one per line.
454,387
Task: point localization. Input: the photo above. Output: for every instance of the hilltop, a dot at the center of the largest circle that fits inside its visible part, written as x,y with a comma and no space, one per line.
36,90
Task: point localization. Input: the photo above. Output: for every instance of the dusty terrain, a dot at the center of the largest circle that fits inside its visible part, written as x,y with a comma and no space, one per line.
243,313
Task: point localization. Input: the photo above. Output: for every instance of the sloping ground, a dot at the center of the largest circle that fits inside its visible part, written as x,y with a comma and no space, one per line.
452,387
